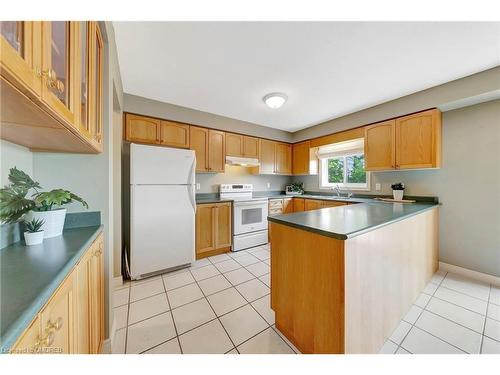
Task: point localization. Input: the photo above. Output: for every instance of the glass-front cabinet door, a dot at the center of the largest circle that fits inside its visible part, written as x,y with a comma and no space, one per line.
84,41
20,51
96,74
59,51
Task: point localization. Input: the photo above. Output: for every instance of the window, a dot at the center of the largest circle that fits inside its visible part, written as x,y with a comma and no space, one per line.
343,165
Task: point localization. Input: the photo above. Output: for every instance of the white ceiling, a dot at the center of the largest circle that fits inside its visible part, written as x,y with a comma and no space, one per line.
327,69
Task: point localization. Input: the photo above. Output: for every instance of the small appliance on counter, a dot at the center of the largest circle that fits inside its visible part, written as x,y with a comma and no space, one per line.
249,215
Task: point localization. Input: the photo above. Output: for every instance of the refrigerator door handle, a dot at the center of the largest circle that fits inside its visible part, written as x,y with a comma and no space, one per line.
191,194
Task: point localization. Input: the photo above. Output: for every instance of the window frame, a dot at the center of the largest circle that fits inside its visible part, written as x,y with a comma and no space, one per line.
323,174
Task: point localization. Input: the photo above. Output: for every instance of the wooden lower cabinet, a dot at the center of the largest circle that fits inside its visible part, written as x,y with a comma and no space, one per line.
298,204
72,321
213,229
312,204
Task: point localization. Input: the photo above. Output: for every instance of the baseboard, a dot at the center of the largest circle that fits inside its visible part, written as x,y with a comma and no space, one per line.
106,347
117,281
112,334
479,276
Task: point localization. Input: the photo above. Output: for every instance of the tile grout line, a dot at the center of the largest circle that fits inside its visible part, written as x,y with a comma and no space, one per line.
250,303
217,317
171,315
439,338
423,309
484,324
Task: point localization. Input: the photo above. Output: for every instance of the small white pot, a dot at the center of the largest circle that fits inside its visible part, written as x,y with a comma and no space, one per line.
398,194
34,238
53,221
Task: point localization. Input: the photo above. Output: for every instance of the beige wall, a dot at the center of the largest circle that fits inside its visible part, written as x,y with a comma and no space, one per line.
234,174
149,107
468,185
12,155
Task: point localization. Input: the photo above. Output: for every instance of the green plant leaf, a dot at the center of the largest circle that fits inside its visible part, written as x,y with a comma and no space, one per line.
78,199
21,181
57,197
13,205
34,225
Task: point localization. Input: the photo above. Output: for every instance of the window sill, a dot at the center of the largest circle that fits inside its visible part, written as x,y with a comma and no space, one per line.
347,189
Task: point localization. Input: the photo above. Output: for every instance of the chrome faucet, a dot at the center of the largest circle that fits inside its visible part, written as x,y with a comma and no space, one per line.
337,190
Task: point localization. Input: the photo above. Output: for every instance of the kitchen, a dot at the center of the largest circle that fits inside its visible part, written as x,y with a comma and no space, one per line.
197,222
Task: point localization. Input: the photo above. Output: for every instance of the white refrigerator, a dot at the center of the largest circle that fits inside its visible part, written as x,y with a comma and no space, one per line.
162,209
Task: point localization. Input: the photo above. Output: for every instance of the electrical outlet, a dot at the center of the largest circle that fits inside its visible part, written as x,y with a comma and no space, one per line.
198,186
377,187
269,185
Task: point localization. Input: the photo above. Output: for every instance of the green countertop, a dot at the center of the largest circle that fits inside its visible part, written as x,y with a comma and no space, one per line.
29,275
348,221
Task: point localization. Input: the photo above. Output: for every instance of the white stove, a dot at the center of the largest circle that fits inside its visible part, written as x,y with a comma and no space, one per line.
249,215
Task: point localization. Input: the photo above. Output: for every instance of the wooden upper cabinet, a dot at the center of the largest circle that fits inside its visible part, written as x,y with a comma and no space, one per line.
21,54
300,163
199,143
250,147
418,140
142,129
408,142
380,146
283,158
174,134
267,156
96,81
59,69
51,84
216,151
234,145
223,234
242,146
84,58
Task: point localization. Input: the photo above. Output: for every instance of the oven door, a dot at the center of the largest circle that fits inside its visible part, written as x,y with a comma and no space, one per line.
250,217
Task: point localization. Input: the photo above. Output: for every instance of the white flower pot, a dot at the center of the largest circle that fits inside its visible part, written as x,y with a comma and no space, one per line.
35,238
53,221
398,194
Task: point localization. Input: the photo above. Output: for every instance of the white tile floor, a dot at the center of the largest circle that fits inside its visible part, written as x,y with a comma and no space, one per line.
219,305
222,305
453,314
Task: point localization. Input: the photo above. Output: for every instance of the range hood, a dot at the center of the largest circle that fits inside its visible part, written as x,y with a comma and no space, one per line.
244,162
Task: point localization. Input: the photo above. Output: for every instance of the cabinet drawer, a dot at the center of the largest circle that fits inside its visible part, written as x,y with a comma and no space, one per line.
275,211
274,203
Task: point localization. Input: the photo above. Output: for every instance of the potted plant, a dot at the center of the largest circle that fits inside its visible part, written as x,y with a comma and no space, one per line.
398,190
34,232
46,206
295,188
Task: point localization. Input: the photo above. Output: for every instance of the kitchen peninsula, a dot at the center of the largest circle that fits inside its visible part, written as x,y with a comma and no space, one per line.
343,277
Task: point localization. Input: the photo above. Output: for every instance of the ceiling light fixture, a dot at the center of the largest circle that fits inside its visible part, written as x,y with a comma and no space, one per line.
275,100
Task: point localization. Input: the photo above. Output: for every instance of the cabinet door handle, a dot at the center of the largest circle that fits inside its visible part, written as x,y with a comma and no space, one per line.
46,340
57,325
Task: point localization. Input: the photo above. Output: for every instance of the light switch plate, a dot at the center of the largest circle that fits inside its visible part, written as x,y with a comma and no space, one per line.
269,185
377,187
198,186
